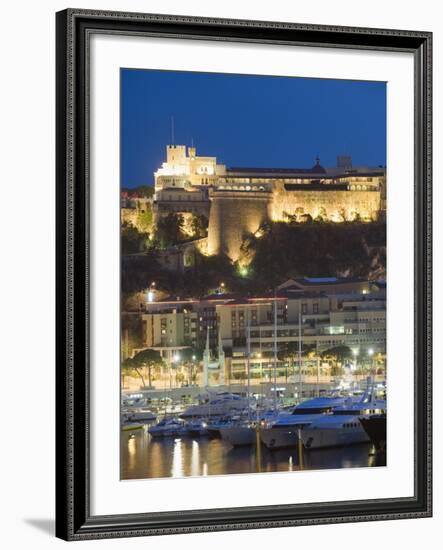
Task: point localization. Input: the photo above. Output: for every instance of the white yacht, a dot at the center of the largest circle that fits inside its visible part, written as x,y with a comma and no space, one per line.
282,431
239,433
132,401
219,404
343,426
141,415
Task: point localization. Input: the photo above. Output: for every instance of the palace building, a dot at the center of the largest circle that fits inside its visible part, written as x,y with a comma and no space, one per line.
237,201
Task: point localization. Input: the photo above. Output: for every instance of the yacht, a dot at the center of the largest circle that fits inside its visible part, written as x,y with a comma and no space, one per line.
375,426
282,430
343,426
168,427
129,426
134,401
214,425
219,404
239,433
141,415
242,430
195,428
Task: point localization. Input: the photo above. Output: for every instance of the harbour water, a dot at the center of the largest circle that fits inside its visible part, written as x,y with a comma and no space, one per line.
143,457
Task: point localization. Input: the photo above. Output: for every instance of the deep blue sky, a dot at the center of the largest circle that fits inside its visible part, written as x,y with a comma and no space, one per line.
248,120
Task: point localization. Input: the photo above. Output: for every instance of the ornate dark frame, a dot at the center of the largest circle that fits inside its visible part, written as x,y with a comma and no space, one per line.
74,28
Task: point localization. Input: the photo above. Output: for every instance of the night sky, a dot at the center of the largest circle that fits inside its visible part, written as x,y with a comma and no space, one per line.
248,120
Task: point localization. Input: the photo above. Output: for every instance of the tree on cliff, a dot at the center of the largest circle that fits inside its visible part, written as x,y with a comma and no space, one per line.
315,249
169,229
132,240
199,225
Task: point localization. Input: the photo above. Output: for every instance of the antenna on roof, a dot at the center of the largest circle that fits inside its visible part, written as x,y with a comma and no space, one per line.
172,130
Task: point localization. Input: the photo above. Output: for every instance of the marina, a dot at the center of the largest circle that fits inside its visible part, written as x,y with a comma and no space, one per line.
221,432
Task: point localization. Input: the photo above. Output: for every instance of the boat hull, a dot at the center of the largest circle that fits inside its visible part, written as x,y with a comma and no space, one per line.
142,417
238,436
375,427
157,434
319,438
279,437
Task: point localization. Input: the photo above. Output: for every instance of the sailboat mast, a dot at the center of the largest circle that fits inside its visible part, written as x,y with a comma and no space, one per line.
248,361
275,351
299,353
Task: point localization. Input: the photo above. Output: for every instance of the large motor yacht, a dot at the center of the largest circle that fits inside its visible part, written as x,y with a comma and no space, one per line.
343,426
282,431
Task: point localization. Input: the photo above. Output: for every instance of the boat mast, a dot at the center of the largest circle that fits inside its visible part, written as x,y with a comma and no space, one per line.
275,351
248,361
206,358
300,376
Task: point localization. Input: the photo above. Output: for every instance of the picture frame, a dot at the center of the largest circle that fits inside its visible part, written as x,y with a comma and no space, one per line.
74,28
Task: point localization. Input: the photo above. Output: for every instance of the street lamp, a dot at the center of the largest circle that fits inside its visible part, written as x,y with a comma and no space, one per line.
151,292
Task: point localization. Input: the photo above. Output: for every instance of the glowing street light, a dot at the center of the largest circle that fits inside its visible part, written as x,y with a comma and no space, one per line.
151,293
243,271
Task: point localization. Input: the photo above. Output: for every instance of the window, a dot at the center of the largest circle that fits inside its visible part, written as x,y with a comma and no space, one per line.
315,308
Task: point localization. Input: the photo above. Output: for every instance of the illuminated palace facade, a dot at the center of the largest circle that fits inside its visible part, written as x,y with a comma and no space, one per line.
237,201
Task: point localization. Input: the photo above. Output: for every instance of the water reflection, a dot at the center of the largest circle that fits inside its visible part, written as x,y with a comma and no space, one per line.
195,465
144,457
177,459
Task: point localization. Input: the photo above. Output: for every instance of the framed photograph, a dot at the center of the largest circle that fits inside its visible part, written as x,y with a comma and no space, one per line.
243,274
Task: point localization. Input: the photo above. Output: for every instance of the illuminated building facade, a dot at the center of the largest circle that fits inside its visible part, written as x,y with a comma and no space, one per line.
237,201
321,313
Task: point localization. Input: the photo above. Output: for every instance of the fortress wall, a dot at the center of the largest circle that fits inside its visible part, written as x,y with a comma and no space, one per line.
330,203
129,215
163,208
233,215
